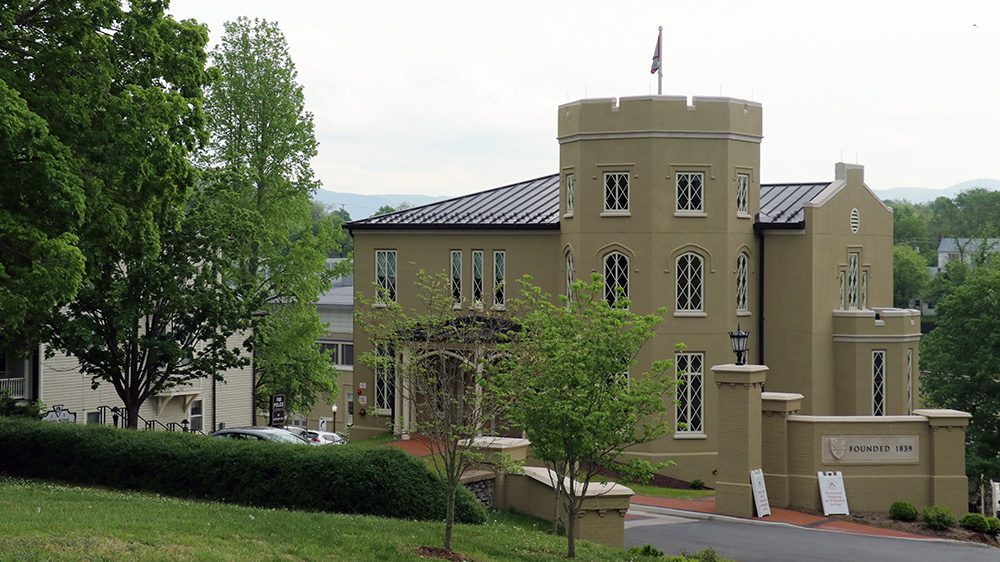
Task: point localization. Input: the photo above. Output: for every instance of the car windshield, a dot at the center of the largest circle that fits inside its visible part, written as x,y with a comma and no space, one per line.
285,437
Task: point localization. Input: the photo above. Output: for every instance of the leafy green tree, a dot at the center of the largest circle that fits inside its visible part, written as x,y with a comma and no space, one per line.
441,355
910,275
120,86
258,172
578,406
962,359
386,209
910,226
41,207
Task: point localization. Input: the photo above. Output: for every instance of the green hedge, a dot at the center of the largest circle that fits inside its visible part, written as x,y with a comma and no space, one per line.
384,481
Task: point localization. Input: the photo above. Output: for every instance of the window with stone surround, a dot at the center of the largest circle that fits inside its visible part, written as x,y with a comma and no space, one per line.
690,283
878,383
616,192
742,283
690,192
690,407
385,275
743,195
615,277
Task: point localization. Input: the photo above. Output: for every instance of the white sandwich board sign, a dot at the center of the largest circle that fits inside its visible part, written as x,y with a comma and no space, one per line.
759,492
831,491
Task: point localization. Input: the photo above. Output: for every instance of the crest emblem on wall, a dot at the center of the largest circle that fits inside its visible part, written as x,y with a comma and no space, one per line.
838,447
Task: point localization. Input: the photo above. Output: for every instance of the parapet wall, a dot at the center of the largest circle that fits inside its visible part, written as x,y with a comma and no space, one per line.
669,115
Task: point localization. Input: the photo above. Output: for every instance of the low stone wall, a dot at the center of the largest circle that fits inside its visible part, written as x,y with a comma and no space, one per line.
602,515
918,458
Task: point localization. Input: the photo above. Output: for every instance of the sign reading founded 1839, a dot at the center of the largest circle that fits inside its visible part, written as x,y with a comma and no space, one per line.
871,449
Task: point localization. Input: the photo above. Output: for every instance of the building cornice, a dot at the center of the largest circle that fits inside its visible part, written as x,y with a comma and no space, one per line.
701,135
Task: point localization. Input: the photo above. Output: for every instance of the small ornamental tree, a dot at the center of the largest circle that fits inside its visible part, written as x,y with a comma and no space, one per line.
578,405
439,352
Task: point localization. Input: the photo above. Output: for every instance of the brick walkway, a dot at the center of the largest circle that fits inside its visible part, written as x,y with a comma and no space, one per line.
778,515
416,446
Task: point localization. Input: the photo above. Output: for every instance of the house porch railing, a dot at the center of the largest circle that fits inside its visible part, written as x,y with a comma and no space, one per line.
15,388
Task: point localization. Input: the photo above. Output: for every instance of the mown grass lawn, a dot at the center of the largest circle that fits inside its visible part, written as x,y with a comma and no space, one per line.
675,493
47,521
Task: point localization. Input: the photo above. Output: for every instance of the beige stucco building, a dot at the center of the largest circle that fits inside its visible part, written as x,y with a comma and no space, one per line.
664,198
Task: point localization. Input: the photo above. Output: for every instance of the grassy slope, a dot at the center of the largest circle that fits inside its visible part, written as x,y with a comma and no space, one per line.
43,521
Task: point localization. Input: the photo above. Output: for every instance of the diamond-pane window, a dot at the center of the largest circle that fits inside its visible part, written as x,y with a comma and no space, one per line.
616,191
842,297
878,383
690,281
385,380
909,381
690,406
852,280
456,276
385,275
743,194
615,277
690,191
499,277
864,289
569,276
570,187
477,277
742,283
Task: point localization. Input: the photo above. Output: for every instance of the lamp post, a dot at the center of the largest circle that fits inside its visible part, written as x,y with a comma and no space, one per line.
333,407
739,339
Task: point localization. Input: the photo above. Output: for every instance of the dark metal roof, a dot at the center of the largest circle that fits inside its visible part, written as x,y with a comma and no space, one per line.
527,205
782,203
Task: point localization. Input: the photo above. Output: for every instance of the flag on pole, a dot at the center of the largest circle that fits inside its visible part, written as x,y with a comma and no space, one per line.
656,53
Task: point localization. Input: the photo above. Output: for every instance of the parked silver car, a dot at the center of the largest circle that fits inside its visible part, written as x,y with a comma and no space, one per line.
275,434
315,437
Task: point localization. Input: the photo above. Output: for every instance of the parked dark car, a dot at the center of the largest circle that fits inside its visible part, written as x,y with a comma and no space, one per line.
274,434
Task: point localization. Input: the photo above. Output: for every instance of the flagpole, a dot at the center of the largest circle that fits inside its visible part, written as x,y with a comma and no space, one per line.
659,71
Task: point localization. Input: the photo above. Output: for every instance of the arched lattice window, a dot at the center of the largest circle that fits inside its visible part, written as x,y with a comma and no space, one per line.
742,283
615,277
569,276
690,283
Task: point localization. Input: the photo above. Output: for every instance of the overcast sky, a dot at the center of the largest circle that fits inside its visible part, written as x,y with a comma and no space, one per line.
447,98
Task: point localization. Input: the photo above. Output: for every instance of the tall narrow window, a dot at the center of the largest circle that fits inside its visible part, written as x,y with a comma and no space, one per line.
616,191
852,280
742,194
477,277
569,276
196,419
499,278
842,297
690,280
456,276
385,379
690,192
615,277
690,393
864,289
385,275
878,383
742,283
909,381
570,180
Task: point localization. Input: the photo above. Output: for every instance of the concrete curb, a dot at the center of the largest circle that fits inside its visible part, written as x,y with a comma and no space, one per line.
729,519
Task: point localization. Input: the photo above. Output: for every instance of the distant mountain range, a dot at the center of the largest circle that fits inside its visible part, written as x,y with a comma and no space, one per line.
926,195
363,206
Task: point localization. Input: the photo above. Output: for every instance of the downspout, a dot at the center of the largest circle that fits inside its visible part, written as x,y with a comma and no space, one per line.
759,234
215,423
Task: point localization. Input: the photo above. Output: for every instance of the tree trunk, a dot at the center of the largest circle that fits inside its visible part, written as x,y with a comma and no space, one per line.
571,530
131,413
449,519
